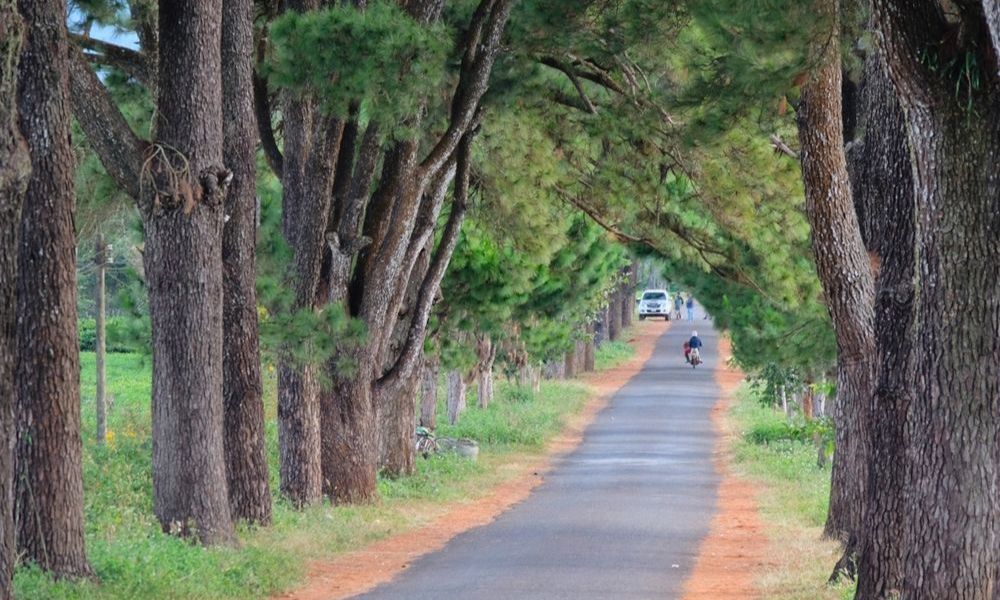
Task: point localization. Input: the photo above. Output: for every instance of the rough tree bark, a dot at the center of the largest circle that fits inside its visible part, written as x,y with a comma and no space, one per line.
629,282
846,276
589,349
428,394
184,185
883,190
569,363
48,470
395,403
456,395
243,416
601,328
953,128
614,316
486,351
15,169
100,343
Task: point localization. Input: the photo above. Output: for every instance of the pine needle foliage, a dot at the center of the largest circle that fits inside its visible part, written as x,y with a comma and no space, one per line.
378,58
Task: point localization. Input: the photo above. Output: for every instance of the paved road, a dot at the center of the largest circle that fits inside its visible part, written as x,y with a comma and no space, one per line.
620,517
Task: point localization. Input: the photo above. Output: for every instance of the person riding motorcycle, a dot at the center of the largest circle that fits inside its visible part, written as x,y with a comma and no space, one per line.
692,345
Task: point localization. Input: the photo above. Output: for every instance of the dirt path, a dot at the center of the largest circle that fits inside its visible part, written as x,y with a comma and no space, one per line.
361,570
734,553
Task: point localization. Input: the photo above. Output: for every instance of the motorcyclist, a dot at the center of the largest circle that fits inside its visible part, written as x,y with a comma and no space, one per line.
691,345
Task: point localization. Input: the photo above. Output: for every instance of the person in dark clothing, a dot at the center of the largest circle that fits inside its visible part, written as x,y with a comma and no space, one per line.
695,341
692,344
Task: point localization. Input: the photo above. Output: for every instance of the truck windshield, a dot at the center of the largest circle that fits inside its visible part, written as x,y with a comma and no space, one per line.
654,296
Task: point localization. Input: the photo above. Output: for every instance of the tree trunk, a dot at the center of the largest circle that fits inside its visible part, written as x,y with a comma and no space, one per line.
554,369
614,317
100,345
15,169
628,294
48,477
299,435
845,273
392,230
807,403
569,364
456,396
601,328
487,352
243,396
589,350
397,426
485,390
428,395
350,432
950,530
883,189
182,210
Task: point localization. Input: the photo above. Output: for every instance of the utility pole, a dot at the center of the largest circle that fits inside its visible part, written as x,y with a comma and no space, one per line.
100,345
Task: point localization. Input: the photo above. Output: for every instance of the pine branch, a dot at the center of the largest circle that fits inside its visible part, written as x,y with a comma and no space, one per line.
131,62
262,104
482,44
118,148
408,358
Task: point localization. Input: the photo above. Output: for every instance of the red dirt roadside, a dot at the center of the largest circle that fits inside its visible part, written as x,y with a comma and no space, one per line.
733,554
361,570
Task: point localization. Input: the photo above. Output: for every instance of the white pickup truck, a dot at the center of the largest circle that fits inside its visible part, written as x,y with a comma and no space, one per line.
654,303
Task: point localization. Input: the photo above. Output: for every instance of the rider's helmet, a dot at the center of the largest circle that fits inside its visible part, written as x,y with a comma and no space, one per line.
694,334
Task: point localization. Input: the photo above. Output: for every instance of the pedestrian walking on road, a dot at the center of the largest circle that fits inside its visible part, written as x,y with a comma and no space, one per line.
678,305
690,307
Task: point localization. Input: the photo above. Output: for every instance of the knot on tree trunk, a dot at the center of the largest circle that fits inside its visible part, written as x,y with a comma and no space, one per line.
348,247
166,182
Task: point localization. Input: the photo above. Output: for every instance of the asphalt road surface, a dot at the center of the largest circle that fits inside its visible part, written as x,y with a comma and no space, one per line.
620,517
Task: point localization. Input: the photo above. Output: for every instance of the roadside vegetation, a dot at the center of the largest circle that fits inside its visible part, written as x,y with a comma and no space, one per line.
780,454
133,558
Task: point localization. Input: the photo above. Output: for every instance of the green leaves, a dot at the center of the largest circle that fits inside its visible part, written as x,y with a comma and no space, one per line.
379,59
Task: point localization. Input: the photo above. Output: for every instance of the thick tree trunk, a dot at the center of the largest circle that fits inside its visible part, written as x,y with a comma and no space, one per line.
48,477
614,317
589,348
883,189
950,531
182,210
15,168
628,294
807,403
485,391
601,328
299,435
397,426
350,433
100,345
429,395
569,363
845,273
243,417
487,352
456,396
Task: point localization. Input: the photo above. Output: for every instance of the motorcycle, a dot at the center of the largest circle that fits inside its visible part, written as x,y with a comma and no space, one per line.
694,358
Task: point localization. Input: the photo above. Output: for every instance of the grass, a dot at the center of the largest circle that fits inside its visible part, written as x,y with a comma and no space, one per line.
612,354
134,559
794,496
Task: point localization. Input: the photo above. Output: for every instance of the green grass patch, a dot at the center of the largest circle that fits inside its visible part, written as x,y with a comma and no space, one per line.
134,559
519,418
613,354
782,457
